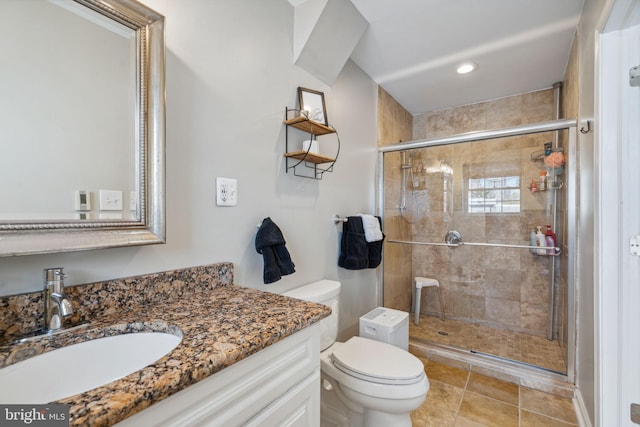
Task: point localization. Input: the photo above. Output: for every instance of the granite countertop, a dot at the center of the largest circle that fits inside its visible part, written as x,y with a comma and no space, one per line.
219,327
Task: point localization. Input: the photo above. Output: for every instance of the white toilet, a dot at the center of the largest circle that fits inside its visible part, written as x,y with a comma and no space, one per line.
365,383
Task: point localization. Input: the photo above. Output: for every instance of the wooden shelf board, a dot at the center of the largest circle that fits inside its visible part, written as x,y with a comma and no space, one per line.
309,157
310,126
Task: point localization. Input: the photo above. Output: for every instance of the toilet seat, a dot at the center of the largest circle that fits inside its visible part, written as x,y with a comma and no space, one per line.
377,362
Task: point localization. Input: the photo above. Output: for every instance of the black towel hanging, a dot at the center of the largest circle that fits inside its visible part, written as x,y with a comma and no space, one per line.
271,244
355,252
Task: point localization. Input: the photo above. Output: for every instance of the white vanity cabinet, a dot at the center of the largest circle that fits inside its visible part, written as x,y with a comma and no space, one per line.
278,386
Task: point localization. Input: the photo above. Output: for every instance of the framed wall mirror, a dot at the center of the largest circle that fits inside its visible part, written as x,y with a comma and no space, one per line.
82,125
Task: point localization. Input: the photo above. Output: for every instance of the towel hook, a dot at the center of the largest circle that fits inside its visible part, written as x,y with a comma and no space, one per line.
588,129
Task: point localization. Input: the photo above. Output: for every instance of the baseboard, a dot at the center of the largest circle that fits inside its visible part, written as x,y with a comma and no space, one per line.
581,410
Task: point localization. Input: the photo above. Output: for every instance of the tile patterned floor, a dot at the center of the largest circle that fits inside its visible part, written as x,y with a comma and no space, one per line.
530,349
460,398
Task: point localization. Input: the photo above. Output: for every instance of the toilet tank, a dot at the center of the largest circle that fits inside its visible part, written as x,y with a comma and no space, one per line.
325,292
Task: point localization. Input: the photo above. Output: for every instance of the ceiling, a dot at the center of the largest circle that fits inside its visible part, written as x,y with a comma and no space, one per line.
413,47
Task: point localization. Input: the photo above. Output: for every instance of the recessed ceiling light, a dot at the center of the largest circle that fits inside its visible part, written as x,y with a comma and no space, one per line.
466,68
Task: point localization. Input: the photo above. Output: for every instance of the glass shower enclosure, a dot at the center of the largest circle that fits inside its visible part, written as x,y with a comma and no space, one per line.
461,210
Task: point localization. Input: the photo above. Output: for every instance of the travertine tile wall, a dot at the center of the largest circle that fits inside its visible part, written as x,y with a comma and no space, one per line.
395,124
530,107
501,287
505,288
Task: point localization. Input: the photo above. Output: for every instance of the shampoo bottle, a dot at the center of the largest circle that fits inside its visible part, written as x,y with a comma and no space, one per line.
542,181
532,240
550,239
540,242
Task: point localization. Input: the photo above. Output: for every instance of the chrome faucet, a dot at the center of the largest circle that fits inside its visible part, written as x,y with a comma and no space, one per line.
57,305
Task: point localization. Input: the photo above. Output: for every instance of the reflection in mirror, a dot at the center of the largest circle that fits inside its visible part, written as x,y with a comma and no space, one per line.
84,162
67,112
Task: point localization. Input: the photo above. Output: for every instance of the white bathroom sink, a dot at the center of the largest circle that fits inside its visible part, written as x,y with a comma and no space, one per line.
80,367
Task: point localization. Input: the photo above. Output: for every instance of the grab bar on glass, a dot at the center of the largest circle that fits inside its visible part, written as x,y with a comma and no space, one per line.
557,250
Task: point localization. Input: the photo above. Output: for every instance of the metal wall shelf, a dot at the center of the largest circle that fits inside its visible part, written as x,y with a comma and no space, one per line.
308,125
305,158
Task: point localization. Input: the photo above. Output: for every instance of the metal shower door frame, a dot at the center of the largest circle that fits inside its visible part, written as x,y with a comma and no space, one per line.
571,182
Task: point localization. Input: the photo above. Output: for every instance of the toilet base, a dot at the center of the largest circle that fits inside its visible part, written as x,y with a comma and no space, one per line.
340,410
374,418
333,411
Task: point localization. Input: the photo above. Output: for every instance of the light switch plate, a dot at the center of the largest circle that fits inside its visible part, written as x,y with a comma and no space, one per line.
110,200
226,191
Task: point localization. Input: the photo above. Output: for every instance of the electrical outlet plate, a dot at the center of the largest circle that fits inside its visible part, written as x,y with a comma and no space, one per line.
634,245
226,191
634,76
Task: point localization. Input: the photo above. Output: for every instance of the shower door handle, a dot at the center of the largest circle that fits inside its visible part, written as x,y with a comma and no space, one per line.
453,237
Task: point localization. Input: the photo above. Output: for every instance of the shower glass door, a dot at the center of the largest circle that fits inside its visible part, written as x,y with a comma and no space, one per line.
505,302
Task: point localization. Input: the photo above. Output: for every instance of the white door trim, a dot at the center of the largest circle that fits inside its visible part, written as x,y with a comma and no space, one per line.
618,217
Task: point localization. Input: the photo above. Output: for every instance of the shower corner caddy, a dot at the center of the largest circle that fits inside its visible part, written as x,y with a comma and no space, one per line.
537,157
313,161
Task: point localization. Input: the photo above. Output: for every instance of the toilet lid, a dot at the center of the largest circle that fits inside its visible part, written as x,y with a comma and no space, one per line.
377,361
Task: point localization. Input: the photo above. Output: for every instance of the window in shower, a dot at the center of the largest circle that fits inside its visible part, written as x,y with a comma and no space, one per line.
499,194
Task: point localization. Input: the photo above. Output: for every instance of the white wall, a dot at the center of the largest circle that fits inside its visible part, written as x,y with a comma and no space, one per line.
229,77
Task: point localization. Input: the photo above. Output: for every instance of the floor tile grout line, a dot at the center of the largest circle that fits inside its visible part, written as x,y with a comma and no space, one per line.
493,398
521,408
519,405
549,416
464,389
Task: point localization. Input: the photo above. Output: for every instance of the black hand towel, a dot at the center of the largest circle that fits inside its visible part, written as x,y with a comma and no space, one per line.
355,252
271,244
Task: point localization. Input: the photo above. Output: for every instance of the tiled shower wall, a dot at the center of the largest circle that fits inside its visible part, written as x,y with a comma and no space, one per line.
395,124
506,288
501,287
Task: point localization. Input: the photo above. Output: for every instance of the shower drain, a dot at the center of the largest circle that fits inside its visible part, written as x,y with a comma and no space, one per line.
443,333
